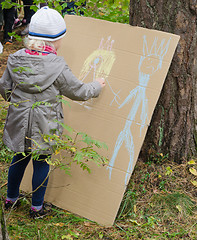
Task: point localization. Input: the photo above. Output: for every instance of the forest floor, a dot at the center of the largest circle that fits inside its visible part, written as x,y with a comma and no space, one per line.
160,201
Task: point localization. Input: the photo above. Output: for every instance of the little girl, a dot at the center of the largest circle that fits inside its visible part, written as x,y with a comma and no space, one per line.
36,74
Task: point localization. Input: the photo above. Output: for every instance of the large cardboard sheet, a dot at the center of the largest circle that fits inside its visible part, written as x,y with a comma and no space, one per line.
134,62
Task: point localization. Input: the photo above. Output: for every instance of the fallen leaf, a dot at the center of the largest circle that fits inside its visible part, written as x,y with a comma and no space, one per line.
67,237
73,149
58,224
87,224
134,222
155,190
134,208
191,162
193,171
194,183
179,208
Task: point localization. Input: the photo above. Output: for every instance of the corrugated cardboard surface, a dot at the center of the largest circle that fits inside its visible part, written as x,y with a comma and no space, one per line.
134,61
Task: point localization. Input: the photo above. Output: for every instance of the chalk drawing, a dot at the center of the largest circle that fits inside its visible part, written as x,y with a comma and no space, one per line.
150,62
98,65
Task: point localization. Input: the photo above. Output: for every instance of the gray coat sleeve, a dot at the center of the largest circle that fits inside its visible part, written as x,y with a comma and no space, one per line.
6,85
75,89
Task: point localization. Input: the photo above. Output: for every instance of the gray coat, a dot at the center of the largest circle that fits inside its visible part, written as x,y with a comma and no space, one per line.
32,83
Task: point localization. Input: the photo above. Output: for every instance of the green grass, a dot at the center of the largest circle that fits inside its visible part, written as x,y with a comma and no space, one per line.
175,204
146,212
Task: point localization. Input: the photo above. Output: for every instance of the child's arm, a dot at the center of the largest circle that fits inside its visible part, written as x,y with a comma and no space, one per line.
6,85
75,89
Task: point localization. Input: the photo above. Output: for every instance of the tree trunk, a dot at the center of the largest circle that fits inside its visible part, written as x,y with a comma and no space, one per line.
173,128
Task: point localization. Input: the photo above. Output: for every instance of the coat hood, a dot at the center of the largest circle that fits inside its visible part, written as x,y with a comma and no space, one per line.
38,71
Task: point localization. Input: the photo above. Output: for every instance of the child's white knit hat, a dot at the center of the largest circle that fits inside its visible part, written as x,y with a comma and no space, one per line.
47,24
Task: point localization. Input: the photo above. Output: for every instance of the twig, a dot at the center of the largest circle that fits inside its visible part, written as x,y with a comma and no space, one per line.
3,185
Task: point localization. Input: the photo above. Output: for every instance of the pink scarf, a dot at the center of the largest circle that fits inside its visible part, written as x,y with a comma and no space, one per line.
47,50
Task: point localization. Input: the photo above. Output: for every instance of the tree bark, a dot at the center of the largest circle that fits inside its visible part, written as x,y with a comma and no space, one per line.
173,128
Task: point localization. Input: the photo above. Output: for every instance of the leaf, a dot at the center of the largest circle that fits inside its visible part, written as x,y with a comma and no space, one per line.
74,234
193,171
45,139
73,149
68,128
169,171
179,208
191,162
60,99
64,5
194,183
59,224
134,208
100,235
134,222
87,224
78,157
22,69
6,5
38,87
34,7
67,237
57,152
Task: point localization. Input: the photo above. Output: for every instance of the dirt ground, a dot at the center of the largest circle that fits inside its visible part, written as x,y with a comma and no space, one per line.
8,49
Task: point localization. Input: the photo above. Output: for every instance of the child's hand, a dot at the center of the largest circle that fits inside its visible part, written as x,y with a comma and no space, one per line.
101,81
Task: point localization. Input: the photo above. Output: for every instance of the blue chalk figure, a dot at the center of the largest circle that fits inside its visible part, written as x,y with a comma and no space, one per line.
150,62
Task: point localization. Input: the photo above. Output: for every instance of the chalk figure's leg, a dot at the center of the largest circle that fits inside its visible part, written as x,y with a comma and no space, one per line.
130,148
118,145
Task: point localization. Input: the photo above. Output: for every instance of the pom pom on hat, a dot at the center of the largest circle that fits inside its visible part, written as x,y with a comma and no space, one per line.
47,24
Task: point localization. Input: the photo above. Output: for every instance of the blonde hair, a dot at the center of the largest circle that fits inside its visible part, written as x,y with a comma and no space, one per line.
37,44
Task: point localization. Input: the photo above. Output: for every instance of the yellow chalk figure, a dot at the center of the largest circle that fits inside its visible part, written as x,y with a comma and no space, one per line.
100,62
98,65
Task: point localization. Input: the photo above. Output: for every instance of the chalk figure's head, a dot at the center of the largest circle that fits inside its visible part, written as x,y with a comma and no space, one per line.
100,61
152,58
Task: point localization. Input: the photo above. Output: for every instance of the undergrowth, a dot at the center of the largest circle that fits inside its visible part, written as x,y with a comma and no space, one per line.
147,210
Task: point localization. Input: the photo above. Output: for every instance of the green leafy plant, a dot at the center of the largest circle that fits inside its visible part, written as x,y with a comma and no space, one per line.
127,207
168,171
111,10
16,36
156,157
80,148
